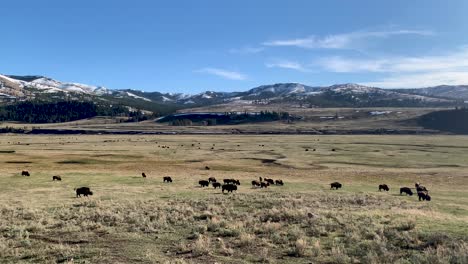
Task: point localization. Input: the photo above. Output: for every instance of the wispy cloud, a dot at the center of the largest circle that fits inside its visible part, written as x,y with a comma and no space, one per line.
284,64
342,41
421,80
247,50
452,61
231,75
449,68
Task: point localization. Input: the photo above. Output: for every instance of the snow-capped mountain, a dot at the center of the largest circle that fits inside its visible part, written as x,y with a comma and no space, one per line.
351,95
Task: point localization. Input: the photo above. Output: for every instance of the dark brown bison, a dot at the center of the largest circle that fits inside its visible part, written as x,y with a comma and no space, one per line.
56,178
270,181
424,196
279,182
207,168
384,187
306,149
25,173
420,188
335,185
264,184
260,178
255,183
167,179
231,181
83,191
216,185
229,188
406,191
143,175
212,179
204,183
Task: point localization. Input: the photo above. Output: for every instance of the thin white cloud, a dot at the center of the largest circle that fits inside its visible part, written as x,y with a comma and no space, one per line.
454,61
342,41
420,80
247,50
450,68
231,75
284,64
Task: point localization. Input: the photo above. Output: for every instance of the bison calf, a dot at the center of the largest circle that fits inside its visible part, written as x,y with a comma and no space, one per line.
335,185
406,191
167,179
83,191
204,183
56,178
384,187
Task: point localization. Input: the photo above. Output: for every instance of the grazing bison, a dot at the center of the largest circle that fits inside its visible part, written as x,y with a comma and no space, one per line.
406,191
255,183
216,185
143,175
279,182
83,191
333,149
260,178
167,179
335,185
236,182
204,183
25,173
264,184
384,187
306,149
58,178
212,179
229,188
270,181
424,196
207,168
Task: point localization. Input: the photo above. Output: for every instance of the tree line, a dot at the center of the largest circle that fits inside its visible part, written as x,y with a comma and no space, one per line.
54,112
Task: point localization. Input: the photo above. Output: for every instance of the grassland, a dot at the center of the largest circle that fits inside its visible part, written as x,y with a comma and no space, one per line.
130,219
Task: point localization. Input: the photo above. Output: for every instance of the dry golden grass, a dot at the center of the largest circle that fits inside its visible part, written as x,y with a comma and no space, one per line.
131,219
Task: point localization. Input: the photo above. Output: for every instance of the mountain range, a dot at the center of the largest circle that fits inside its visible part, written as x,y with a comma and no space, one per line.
22,88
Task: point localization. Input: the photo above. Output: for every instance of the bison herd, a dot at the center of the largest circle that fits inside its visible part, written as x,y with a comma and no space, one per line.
230,185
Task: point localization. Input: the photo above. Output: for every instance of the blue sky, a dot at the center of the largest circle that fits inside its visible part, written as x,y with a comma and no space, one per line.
192,46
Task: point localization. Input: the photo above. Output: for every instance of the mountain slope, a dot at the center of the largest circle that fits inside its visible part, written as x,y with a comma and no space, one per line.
42,88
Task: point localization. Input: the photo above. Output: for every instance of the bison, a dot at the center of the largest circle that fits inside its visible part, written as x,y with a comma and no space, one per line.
406,191
143,175
270,181
212,179
167,179
420,188
264,184
216,185
424,196
83,191
229,188
384,187
335,185
279,182
25,173
204,183
207,168
255,183
58,178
